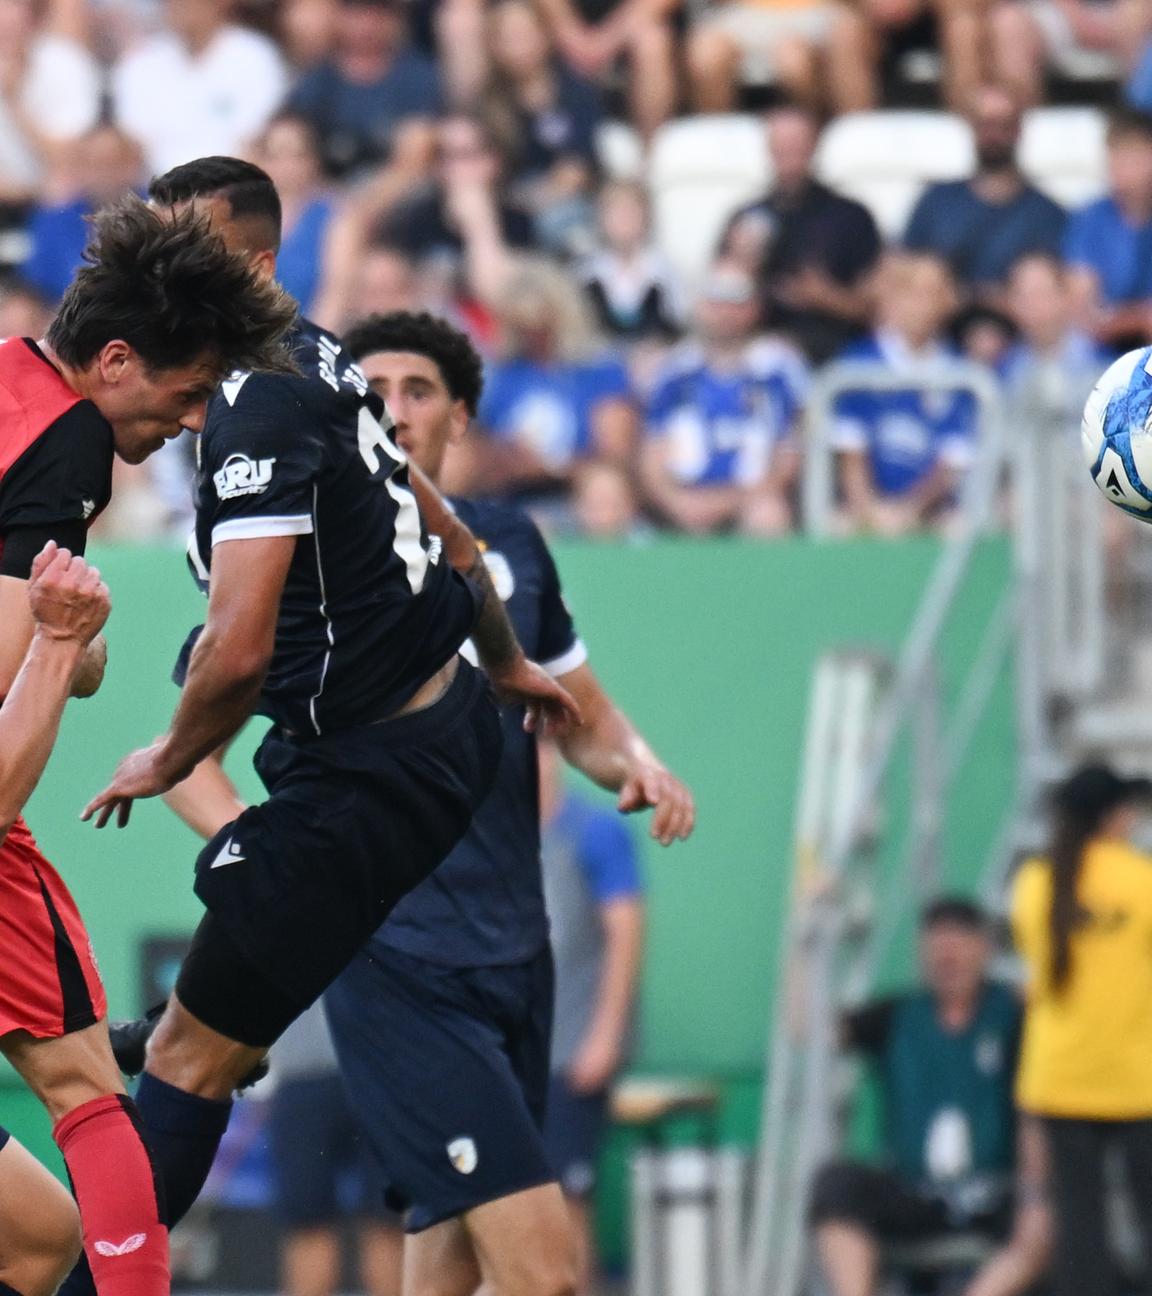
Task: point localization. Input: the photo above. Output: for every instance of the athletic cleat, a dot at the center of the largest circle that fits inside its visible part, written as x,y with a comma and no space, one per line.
130,1047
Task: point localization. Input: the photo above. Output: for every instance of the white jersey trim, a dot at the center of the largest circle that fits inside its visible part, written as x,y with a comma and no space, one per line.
261,528
576,656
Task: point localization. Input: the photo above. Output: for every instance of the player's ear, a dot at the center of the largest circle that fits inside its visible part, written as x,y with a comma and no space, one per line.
264,263
460,419
113,359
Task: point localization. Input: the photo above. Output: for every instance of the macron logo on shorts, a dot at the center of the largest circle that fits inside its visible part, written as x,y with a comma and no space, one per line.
130,1244
230,853
463,1155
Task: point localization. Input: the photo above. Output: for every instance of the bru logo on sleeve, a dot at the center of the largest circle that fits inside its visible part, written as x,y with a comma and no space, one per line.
242,476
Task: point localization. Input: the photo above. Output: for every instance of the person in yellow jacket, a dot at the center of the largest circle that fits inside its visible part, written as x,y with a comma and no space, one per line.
1082,922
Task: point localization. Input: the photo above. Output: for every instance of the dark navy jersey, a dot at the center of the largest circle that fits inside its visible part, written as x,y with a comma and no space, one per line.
370,609
485,905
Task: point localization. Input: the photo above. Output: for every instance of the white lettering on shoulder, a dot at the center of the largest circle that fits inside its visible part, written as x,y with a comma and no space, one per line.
242,476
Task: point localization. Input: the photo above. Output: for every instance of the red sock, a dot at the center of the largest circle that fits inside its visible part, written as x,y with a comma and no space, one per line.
124,1239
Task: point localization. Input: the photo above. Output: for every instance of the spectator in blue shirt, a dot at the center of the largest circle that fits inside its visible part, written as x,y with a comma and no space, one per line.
547,117
107,164
595,902
1109,242
289,151
984,224
901,455
721,420
555,398
370,84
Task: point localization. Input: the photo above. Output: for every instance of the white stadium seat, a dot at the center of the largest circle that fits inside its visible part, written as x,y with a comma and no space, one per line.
884,159
699,171
1063,152
620,151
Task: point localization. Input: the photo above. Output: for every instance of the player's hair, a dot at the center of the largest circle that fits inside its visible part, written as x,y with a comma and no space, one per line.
251,196
169,288
423,334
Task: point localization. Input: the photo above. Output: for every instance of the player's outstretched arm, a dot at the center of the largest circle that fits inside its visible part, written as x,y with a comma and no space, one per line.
69,603
550,709
611,751
225,674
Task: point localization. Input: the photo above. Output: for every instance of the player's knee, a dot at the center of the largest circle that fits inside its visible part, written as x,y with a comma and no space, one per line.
49,1253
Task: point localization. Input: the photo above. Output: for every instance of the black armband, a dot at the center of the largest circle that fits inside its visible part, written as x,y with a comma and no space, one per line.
22,544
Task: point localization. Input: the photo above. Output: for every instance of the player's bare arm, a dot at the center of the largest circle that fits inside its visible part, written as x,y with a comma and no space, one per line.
225,674
67,604
19,626
611,751
550,709
207,799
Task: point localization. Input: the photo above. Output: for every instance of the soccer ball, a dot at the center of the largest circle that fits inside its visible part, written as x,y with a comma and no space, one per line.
1116,433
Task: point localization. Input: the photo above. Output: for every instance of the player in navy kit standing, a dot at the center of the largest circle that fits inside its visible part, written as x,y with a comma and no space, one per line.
335,608
442,1023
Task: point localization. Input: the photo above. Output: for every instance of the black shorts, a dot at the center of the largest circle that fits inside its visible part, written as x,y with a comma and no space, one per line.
354,820
447,1069
574,1135
322,1170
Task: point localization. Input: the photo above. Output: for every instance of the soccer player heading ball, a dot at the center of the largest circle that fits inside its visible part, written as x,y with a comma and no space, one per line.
160,312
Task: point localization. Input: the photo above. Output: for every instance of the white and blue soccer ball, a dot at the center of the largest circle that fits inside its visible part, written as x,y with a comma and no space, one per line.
1116,433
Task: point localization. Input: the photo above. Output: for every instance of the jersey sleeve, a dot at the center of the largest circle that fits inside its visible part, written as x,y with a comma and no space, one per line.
62,480
260,461
560,648
608,858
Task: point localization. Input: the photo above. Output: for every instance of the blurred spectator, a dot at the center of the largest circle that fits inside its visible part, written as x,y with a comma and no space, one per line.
721,447
869,41
555,397
546,117
594,35
387,283
105,164
462,216
981,225
306,30
902,454
324,1173
202,86
1108,245
605,505
370,83
786,39
289,150
23,312
983,335
1082,919
1052,348
945,1056
1028,36
635,292
49,91
594,897
810,247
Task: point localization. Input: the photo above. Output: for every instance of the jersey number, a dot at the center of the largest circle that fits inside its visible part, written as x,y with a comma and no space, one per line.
375,444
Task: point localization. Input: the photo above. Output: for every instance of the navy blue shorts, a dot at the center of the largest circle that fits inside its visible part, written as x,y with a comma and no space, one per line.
322,1169
447,1069
354,820
574,1134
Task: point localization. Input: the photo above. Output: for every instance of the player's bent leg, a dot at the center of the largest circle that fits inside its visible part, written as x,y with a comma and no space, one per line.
524,1243
39,1225
194,1057
440,1261
97,1128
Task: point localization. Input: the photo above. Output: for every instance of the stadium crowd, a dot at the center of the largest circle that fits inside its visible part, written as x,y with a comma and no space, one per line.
450,156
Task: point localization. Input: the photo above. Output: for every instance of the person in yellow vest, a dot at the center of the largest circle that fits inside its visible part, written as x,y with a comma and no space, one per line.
1082,921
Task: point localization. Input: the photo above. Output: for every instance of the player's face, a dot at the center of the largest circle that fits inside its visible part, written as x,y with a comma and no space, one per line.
427,418
148,407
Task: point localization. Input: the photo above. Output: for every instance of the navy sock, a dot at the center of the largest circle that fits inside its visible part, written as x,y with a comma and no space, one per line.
183,1133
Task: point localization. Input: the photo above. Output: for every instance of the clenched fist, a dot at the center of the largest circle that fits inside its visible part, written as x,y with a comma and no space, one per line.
68,598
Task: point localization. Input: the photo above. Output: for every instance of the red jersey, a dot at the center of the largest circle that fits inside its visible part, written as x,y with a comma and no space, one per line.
56,455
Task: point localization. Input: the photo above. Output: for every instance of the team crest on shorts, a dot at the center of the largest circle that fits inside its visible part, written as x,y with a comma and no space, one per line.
463,1155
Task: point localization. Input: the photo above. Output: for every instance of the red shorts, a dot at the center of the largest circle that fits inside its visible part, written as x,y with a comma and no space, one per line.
49,983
